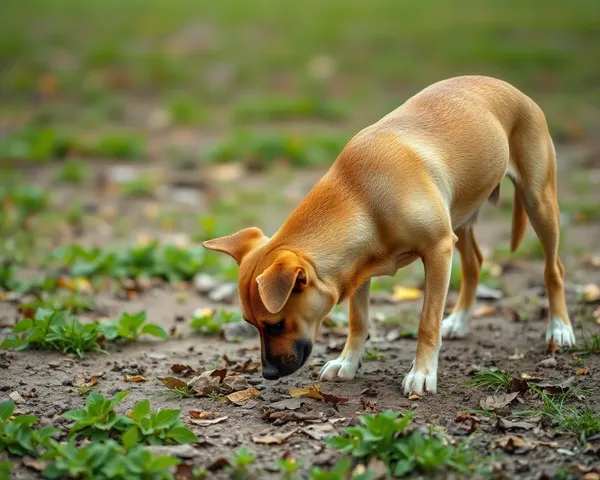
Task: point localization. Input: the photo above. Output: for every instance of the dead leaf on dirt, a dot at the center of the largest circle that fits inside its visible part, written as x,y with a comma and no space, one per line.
483,311
281,417
517,355
583,371
80,381
172,382
319,431
516,444
134,378
218,464
184,369
226,361
590,293
35,463
184,471
202,415
241,397
314,391
368,406
552,388
31,394
505,424
275,438
220,373
249,366
401,293
548,363
470,419
217,381
414,396
288,404
493,402
205,422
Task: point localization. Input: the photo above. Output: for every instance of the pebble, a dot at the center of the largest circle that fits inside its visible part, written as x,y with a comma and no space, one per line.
237,330
549,363
204,283
224,293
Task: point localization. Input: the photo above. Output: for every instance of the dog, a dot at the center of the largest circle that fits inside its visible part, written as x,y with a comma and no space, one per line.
407,187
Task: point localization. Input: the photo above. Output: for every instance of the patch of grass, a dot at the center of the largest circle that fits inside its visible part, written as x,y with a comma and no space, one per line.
240,462
142,186
72,302
180,392
276,108
73,171
385,437
581,210
209,322
18,436
54,330
34,142
288,467
373,354
216,397
493,379
588,344
20,203
130,326
262,149
117,145
183,110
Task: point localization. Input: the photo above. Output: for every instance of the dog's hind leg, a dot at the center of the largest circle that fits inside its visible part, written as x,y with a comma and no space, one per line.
456,325
535,160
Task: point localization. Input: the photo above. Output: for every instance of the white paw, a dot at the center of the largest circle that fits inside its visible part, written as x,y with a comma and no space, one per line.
562,334
421,381
456,325
341,368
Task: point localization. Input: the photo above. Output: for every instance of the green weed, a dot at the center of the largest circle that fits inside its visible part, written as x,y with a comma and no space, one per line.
73,171
373,354
288,467
72,302
122,145
275,108
37,143
342,470
130,326
588,344
18,436
209,322
384,436
54,330
183,110
142,186
240,462
495,379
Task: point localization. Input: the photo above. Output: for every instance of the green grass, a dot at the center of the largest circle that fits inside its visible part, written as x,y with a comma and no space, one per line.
130,326
209,322
492,379
587,344
276,108
73,171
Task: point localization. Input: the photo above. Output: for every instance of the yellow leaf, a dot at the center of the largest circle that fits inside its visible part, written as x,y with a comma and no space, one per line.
135,379
311,392
483,311
583,371
404,293
591,292
243,395
414,397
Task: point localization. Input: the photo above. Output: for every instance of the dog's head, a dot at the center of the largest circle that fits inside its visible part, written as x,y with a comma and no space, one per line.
281,296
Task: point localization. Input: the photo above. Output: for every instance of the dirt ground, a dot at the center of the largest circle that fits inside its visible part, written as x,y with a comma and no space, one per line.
510,337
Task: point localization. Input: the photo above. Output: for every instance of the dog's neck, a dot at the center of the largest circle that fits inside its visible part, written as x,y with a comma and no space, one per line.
344,258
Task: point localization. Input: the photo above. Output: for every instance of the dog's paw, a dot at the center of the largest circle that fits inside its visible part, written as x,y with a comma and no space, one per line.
456,325
560,333
420,382
340,369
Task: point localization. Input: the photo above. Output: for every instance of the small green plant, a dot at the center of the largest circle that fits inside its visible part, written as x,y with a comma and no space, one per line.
54,330
216,397
589,344
384,436
185,111
34,142
108,460
289,108
24,201
342,470
142,186
73,171
98,418
373,354
157,428
288,467
494,379
18,437
180,392
209,322
60,300
121,145
240,462
130,326
5,469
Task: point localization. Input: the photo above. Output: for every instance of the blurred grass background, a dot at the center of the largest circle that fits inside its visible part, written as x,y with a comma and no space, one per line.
218,66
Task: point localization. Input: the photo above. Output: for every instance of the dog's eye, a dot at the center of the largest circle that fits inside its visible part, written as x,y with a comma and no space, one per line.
275,328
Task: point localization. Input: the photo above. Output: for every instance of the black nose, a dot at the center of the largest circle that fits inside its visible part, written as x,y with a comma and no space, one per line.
269,371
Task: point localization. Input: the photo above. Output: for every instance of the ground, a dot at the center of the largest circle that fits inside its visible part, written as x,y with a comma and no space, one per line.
184,123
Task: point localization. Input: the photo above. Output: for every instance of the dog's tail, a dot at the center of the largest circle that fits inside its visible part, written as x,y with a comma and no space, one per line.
519,221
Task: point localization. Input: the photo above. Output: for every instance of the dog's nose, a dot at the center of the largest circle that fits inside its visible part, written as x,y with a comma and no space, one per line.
269,371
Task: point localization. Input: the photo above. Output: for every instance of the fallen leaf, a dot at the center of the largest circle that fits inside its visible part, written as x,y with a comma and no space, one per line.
249,366
185,369
414,397
288,404
591,293
517,385
401,293
315,392
184,471
319,431
218,464
548,363
493,402
221,373
134,378
583,371
505,424
35,463
368,406
205,422
334,399
80,381
513,444
172,382
552,388
241,397
483,311
16,397
200,414
275,438
30,394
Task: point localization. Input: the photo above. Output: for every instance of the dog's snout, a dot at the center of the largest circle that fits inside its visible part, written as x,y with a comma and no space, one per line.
269,371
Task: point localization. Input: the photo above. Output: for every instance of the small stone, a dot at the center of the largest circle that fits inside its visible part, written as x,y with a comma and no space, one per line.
156,356
204,283
238,330
16,397
224,293
484,292
549,363
53,364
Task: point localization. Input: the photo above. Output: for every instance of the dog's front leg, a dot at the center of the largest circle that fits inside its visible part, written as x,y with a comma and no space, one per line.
437,261
345,366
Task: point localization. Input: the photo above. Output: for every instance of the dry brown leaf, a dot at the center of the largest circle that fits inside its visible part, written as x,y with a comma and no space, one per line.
583,371
368,406
134,378
414,397
185,369
275,438
172,382
35,463
591,293
401,293
220,372
483,311
184,471
319,431
249,366
241,397
202,415
505,424
493,402
205,422
314,391
80,381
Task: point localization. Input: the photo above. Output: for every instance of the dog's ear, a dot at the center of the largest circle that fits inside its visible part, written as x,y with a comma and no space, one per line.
275,285
239,244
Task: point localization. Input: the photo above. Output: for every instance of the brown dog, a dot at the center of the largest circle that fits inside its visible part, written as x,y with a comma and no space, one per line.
406,187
